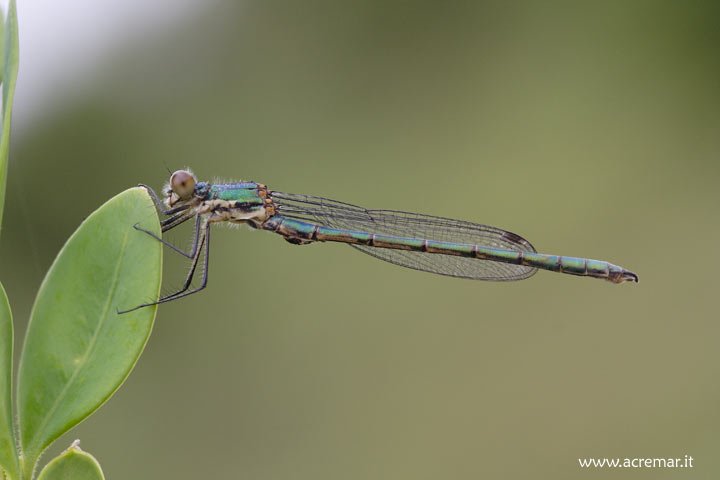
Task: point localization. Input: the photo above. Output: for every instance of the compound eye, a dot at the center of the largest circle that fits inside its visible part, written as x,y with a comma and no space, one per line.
182,184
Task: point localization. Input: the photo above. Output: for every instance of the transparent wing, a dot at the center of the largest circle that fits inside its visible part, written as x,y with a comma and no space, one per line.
335,214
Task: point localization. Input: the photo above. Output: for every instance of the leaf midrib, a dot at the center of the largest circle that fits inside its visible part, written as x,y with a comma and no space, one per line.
88,352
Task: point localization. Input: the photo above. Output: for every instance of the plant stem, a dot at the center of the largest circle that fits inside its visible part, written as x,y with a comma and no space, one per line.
27,467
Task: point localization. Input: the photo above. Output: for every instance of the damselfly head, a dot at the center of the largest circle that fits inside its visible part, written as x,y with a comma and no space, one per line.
181,187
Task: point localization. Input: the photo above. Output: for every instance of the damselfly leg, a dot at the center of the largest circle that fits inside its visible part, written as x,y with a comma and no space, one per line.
201,238
159,203
196,235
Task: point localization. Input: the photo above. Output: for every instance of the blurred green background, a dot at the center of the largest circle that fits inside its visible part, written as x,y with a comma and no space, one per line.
590,128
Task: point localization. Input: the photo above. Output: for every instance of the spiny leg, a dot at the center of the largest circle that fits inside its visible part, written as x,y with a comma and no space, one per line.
179,219
159,203
182,292
177,216
173,219
203,242
196,236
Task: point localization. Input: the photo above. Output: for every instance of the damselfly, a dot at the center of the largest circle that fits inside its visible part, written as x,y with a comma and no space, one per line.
432,244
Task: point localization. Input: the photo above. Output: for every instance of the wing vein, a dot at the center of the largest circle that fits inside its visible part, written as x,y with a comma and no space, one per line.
346,216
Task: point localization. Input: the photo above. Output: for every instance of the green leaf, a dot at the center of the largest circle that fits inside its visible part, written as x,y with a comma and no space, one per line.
78,350
9,77
2,42
72,464
8,449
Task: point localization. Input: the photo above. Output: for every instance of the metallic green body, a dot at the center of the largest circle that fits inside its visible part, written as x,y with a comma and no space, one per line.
412,240
305,232
246,193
